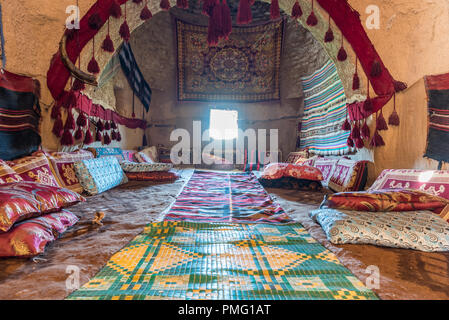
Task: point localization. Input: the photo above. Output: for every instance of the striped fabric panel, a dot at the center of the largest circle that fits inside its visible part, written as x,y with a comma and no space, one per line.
324,113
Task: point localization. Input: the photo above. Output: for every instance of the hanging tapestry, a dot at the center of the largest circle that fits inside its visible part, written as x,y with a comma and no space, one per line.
324,113
244,68
438,135
19,116
135,78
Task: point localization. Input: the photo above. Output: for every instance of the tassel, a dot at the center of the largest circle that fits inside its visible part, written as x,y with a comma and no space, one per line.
119,136
208,7
108,45
312,19
227,20
67,138
355,134
107,139
350,142
82,120
70,122
115,10
100,126
183,4
88,137
274,10
165,5
359,143
58,127
124,31
376,69
98,136
70,100
95,21
329,37
381,124
296,10
399,86
377,140
368,105
215,26
244,13
79,134
146,14
78,85
107,126
365,131
342,55
113,125
393,120
114,135
346,125
93,66
55,112
356,79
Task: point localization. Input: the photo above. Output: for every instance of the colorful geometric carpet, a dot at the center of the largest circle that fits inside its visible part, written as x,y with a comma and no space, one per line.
191,261
226,197
324,113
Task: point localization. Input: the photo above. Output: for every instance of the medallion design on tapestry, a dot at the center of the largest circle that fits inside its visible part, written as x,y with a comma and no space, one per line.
244,68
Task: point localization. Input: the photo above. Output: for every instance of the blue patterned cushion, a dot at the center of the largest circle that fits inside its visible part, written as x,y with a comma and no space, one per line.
418,230
100,174
128,166
107,152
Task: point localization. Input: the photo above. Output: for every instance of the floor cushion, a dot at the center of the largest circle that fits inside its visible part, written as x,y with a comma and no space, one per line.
30,237
145,167
431,181
298,157
156,176
152,153
274,171
327,167
143,158
418,230
349,175
303,172
34,168
22,200
62,165
386,200
100,174
7,174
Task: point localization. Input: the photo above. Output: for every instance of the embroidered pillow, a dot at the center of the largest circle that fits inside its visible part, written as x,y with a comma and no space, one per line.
35,169
100,174
7,174
274,171
62,165
303,172
145,167
22,200
30,237
161,176
152,153
386,200
298,157
327,167
418,230
349,175
143,158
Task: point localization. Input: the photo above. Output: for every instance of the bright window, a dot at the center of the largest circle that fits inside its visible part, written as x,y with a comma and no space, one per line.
223,124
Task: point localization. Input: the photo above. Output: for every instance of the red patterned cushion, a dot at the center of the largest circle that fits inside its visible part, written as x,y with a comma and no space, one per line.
35,169
430,181
348,175
327,167
274,171
62,165
167,176
22,200
303,172
7,174
386,200
295,157
30,237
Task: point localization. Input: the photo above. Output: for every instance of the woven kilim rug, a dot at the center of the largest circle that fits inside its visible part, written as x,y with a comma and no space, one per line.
226,197
185,260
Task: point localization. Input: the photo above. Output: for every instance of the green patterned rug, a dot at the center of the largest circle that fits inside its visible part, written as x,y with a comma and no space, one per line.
184,260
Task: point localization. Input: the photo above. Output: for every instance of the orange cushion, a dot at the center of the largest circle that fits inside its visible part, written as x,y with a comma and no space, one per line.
303,172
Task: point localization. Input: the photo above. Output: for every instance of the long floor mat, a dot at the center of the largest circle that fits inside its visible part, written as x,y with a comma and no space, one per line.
226,198
185,260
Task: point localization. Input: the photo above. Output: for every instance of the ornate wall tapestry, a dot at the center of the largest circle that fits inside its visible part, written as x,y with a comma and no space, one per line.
244,68
438,136
324,113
